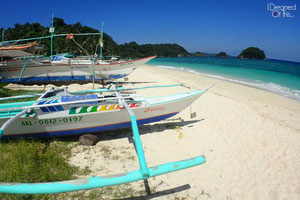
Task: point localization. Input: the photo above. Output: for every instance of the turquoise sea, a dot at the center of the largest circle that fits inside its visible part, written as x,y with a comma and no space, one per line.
281,77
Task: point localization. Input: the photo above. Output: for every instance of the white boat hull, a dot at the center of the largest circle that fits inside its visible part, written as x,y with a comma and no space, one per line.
66,70
82,118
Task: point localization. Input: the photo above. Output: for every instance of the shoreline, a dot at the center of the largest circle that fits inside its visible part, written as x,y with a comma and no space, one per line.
17,86
250,138
226,79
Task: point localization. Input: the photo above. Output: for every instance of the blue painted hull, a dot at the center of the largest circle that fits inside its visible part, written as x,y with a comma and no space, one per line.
48,79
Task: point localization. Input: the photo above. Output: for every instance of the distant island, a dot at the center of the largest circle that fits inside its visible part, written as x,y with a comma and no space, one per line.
222,55
202,54
198,54
252,53
249,53
88,43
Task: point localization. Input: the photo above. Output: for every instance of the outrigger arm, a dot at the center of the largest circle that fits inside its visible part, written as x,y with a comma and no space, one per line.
136,135
103,181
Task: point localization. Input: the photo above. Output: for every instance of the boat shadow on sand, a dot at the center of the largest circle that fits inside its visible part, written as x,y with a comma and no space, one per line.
168,124
150,129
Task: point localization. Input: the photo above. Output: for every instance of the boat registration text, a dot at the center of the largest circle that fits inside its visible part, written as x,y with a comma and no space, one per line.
51,121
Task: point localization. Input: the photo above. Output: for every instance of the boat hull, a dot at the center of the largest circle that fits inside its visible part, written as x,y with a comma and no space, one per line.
83,119
66,71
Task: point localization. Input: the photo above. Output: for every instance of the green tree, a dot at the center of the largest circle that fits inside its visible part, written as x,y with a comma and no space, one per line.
90,44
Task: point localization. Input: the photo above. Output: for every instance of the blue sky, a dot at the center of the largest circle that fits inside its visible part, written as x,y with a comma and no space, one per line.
197,25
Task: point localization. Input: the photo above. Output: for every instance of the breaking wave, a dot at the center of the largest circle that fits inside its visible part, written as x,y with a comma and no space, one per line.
268,86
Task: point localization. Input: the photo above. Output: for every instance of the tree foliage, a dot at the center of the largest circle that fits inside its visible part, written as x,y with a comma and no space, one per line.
88,43
163,50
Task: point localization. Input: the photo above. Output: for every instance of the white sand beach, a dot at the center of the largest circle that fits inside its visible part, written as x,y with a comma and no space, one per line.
250,138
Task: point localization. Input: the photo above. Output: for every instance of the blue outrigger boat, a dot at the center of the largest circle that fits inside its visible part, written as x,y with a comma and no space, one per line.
64,67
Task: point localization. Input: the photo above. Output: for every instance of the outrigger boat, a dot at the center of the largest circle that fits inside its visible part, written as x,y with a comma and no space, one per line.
63,67
61,113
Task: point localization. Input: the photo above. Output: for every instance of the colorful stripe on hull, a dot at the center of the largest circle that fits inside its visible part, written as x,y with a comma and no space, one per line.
91,129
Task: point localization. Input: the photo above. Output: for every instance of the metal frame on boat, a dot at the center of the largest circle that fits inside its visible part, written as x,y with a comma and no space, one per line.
121,108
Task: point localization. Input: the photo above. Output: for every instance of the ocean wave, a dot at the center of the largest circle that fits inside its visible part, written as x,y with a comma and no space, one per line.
268,86
179,68
278,89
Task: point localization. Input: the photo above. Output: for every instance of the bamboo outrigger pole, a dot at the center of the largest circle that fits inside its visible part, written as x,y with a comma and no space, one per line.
93,71
52,31
101,46
2,42
87,91
103,181
101,40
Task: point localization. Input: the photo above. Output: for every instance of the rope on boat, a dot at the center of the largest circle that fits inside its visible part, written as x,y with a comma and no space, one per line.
39,41
22,38
81,47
